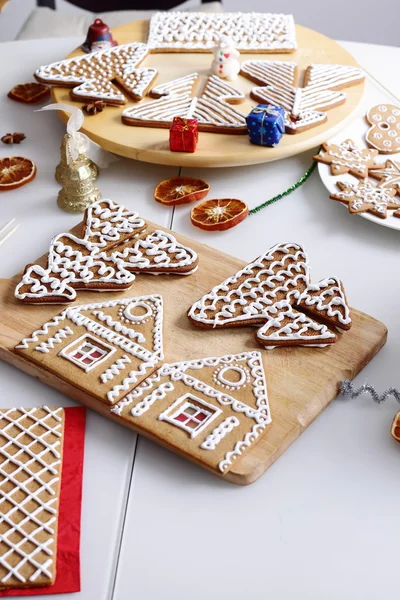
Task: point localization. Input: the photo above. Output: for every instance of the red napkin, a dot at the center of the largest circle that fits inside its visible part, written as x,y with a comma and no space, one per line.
68,576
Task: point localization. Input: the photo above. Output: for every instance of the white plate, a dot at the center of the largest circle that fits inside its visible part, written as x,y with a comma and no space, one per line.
356,131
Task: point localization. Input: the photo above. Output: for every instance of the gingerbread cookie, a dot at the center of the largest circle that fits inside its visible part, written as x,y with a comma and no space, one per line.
366,197
200,32
212,108
31,451
274,290
90,76
384,133
104,258
388,175
305,106
103,348
347,157
212,410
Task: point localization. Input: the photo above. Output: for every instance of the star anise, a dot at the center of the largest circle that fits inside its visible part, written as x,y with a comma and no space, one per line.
13,138
94,107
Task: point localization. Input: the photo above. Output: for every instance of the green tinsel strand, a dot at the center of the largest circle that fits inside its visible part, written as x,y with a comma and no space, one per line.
292,188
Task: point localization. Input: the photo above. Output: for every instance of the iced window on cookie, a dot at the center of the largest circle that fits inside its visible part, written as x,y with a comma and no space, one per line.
190,413
87,352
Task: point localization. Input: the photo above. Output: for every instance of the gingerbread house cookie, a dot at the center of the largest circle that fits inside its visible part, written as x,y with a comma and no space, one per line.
200,32
31,452
276,293
211,410
103,348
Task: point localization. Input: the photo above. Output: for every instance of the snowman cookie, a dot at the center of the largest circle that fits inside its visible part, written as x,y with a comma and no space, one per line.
225,64
384,133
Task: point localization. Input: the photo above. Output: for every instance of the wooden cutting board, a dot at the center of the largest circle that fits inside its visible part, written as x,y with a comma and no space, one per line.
301,381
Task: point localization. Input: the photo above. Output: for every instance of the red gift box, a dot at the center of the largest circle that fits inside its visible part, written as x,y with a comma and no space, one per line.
183,135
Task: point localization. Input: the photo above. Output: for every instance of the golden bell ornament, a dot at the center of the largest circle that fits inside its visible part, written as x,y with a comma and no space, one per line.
66,158
78,190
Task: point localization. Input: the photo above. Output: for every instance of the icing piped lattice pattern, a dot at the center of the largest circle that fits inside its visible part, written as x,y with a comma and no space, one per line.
91,75
187,32
274,291
305,105
31,442
104,258
212,108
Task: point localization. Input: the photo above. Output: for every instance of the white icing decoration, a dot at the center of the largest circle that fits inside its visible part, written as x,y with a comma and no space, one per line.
265,291
214,438
187,400
158,394
188,31
114,335
383,126
220,379
303,106
364,196
241,446
348,157
58,337
389,176
90,75
115,369
212,108
39,515
157,252
77,344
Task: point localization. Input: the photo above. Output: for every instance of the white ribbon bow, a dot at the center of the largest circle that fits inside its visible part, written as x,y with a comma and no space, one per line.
79,142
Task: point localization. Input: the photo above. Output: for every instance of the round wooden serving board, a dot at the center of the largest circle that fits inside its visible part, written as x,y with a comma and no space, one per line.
214,150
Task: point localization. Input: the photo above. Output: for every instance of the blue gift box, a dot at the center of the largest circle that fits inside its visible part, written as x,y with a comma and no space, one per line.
266,124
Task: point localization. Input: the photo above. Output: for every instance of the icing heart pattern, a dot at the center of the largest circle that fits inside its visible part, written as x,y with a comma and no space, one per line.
95,261
305,106
91,76
212,108
275,292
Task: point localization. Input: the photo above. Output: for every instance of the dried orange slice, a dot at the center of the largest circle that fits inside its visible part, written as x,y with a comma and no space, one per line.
29,93
219,214
395,429
15,171
181,190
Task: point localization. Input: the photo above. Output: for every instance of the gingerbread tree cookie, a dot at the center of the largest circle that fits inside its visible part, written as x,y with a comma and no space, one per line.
388,175
212,108
304,105
384,133
106,257
273,291
91,76
348,158
200,32
366,197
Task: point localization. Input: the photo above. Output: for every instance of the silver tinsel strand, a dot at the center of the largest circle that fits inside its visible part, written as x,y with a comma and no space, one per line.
348,390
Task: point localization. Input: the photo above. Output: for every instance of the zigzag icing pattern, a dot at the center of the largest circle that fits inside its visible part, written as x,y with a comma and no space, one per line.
56,339
91,75
119,365
212,108
188,31
266,291
302,104
241,446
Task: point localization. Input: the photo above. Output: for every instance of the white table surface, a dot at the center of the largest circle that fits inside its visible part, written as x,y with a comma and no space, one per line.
323,522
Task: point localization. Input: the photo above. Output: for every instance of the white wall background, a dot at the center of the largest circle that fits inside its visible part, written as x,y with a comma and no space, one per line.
350,20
